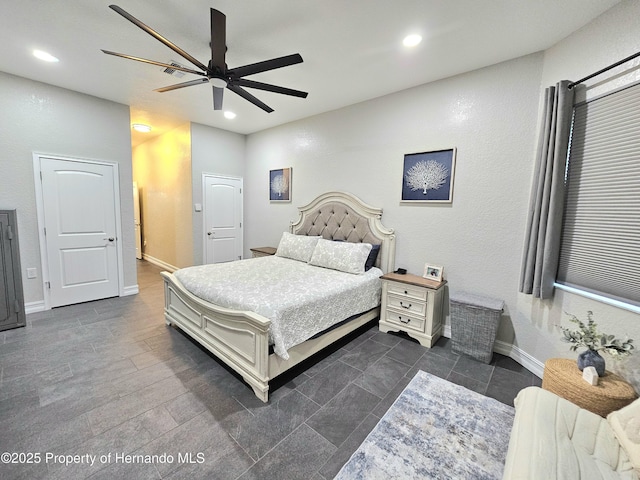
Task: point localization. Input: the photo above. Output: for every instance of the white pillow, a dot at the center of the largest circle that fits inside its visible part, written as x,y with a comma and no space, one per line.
344,256
625,424
296,247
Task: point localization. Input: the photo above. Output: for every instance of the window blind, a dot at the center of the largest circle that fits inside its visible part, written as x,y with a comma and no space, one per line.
600,246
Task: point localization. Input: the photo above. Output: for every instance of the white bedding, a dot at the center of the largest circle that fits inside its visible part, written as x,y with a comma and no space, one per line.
299,299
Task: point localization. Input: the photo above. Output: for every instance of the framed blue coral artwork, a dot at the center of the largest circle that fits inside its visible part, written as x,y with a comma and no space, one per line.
280,185
427,177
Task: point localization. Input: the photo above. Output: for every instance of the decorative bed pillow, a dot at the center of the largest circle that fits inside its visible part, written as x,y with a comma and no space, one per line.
373,256
625,424
296,247
343,256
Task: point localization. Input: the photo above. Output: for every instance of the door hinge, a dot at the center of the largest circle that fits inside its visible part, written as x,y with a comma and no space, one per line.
48,284
17,305
240,224
45,231
9,232
241,191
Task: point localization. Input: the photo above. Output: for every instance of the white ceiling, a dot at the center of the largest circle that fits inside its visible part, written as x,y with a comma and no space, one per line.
352,49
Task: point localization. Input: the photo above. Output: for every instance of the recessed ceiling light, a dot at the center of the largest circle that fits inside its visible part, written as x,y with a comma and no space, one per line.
229,115
411,40
47,57
141,127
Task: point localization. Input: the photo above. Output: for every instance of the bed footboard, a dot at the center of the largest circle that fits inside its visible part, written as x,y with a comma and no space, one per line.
238,338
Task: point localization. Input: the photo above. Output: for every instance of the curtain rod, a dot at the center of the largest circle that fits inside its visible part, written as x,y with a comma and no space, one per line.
631,57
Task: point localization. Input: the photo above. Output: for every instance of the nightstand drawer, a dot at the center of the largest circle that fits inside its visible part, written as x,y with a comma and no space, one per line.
404,320
405,290
407,305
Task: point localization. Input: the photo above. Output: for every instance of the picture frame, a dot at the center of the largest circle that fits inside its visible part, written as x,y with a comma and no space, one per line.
433,272
427,177
280,185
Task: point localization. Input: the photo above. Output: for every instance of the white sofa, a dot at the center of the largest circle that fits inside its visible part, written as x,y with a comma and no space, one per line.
554,439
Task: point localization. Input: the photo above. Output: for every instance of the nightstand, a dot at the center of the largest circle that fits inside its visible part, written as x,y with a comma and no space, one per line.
263,251
413,305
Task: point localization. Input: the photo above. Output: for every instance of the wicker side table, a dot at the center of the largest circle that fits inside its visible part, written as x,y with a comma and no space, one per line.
562,377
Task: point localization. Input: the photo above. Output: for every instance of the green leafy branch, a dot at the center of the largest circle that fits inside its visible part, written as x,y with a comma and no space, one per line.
587,335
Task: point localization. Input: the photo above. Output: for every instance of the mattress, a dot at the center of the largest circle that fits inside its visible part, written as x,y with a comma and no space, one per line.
301,300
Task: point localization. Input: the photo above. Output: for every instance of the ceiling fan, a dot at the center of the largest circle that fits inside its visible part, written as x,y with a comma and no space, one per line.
216,72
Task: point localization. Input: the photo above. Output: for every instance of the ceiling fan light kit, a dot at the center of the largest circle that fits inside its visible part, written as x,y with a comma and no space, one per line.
216,72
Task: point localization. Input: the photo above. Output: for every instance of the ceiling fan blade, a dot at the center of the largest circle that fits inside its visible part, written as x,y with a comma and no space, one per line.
198,81
157,36
266,65
153,62
218,93
243,82
247,96
218,40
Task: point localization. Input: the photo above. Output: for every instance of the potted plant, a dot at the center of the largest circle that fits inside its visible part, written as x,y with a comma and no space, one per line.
587,335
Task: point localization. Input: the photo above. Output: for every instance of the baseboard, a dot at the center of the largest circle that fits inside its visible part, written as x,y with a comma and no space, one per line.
532,364
130,290
159,263
33,307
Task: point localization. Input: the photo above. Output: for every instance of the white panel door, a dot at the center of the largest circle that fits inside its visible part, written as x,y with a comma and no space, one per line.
79,201
222,219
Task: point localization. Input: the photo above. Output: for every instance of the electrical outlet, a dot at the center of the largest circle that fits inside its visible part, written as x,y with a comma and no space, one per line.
31,273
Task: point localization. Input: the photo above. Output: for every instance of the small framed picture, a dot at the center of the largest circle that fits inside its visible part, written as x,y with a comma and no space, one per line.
280,185
433,272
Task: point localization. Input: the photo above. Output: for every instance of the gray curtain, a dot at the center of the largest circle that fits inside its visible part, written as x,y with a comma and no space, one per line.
542,241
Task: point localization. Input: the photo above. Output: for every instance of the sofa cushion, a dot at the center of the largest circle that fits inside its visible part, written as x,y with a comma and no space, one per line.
625,424
553,438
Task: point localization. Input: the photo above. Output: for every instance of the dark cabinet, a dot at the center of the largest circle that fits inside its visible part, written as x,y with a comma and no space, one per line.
12,313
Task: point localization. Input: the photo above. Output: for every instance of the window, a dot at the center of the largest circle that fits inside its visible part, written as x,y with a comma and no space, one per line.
600,247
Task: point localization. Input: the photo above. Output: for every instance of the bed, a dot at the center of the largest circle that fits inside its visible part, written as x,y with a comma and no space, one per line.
242,337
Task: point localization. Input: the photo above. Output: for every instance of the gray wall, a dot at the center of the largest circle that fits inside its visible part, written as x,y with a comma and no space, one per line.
609,38
217,152
487,115
491,116
37,117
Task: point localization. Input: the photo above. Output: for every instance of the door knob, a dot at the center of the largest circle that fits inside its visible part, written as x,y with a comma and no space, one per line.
111,239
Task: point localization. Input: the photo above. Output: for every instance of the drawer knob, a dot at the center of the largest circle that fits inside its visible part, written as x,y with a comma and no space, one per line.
405,306
406,293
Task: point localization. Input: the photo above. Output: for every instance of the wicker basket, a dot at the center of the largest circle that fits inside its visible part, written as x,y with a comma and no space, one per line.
474,324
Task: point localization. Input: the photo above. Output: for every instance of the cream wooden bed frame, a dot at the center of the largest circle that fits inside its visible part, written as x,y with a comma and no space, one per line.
240,338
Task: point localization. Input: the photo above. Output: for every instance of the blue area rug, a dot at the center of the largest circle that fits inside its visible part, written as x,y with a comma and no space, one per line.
435,429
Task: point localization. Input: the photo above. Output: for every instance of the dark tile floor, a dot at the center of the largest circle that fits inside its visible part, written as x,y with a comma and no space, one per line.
106,390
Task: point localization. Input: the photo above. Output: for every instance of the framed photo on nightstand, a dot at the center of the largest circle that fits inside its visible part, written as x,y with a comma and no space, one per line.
433,272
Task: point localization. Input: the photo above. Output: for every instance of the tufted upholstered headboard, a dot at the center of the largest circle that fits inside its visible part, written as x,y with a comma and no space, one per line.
342,216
